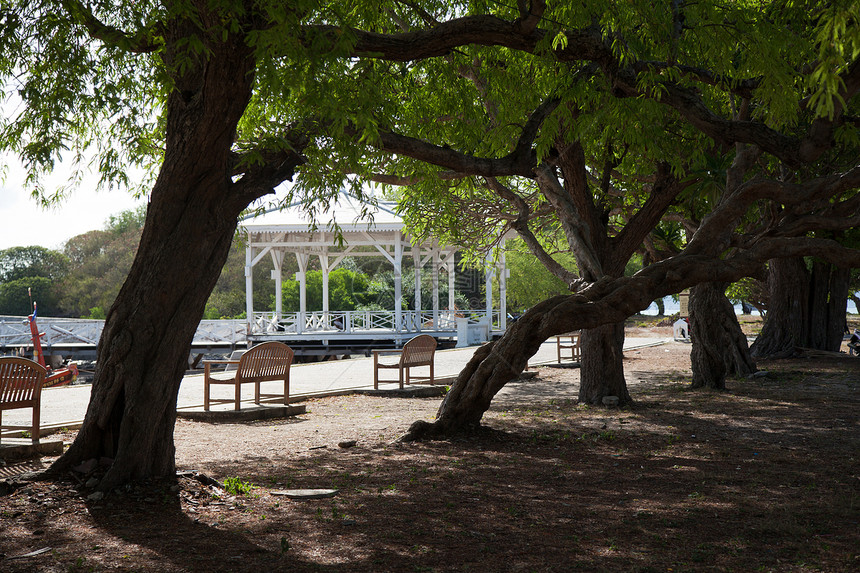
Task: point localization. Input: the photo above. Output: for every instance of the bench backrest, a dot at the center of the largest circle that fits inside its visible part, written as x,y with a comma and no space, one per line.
418,351
266,361
21,382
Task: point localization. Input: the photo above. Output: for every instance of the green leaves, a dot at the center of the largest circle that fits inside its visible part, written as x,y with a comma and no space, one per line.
837,36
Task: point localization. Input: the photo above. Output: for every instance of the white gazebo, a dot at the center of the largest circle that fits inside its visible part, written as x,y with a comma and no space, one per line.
366,230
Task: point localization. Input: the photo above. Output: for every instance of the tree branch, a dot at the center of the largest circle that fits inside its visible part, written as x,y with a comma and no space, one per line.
662,195
142,42
521,226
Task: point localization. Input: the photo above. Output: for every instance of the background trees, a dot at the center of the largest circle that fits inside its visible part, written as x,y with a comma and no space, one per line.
28,274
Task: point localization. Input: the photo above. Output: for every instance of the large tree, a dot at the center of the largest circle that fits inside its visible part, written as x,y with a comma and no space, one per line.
806,309
232,98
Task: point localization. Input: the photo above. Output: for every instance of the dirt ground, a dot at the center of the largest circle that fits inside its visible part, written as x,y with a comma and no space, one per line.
761,477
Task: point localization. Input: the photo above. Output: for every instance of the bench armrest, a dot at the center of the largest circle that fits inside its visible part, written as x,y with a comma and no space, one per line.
207,366
390,352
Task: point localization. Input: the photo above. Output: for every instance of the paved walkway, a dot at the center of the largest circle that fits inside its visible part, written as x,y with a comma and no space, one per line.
66,406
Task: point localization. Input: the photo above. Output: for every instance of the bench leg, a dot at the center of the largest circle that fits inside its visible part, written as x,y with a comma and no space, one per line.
37,415
257,393
375,371
238,394
287,388
400,376
206,395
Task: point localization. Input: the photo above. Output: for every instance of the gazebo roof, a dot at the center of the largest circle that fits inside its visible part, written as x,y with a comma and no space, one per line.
345,212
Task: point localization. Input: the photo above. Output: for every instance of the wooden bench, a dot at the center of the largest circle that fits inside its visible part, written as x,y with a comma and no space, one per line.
263,363
417,352
571,342
21,382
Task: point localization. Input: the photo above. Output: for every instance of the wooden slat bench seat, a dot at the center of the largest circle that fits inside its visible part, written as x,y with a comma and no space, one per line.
419,351
265,362
569,342
21,382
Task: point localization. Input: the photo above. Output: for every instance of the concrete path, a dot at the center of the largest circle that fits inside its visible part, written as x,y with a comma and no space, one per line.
66,406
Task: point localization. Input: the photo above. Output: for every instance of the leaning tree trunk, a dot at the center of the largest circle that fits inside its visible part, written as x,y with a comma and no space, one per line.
497,363
720,348
602,369
190,222
787,316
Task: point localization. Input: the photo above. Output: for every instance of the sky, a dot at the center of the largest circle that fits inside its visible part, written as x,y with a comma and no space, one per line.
24,223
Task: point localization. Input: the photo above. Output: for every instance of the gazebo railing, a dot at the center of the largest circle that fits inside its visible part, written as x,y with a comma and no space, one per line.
356,321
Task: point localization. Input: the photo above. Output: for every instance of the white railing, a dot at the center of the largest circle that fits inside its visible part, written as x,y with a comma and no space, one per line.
15,331
358,321
228,331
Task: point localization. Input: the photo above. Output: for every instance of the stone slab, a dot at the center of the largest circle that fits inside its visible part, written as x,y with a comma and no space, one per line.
424,391
13,449
305,493
243,415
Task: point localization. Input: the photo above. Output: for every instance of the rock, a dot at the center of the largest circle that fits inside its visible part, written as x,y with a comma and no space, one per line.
96,496
758,374
347,444
91,483
86,467
611,400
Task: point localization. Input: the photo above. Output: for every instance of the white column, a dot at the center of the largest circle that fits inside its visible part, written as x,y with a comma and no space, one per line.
302,259
489,271
451,281
249,286
437,261
278,262
416,263
398,283
325,271
503,291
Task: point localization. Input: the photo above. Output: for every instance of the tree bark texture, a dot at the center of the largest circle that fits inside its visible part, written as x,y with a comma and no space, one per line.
602,372
720,348
807,308
827,306
787,319
191,220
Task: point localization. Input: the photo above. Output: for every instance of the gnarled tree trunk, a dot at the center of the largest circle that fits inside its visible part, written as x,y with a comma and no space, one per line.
720,347
807,308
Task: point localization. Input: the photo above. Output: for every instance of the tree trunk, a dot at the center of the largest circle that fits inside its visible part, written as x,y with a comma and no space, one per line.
602,370
497,363
720,348
807,308
827,306
190,222
661,307
787,316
